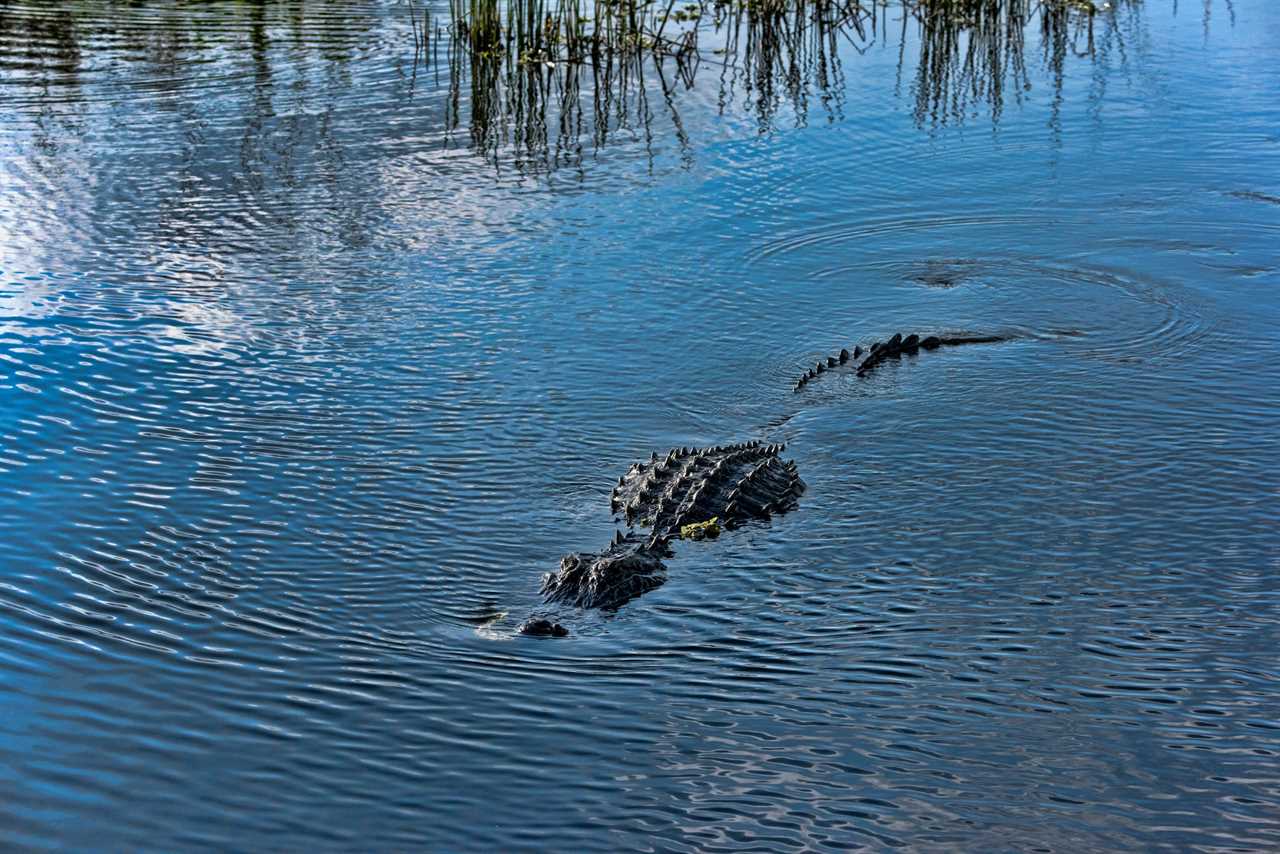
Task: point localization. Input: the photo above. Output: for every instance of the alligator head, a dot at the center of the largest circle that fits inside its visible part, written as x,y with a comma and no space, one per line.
629,567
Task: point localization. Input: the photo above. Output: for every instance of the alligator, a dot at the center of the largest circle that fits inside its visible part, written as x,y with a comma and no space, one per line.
690,493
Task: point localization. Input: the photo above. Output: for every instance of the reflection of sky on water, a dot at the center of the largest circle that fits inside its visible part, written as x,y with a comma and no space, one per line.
302,387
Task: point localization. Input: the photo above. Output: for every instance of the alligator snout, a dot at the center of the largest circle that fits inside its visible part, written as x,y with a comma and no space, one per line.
544,629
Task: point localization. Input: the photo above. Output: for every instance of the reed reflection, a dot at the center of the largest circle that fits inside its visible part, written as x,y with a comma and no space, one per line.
529,66
538,86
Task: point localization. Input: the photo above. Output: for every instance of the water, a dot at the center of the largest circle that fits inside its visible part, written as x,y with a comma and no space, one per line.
308,374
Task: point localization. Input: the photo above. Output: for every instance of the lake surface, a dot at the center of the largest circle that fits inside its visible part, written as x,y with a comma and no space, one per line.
314,357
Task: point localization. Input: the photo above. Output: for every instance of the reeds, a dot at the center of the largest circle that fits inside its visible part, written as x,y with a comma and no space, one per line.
572,31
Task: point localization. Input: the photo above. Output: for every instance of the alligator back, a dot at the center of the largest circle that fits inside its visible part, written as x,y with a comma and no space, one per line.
732,483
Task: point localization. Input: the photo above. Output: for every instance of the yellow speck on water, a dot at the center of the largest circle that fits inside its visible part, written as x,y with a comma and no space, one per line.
699,530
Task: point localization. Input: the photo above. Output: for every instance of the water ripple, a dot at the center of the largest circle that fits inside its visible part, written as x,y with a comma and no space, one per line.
304,387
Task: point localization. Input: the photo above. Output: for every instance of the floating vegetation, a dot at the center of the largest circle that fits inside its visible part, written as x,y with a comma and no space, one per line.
547,80
709,529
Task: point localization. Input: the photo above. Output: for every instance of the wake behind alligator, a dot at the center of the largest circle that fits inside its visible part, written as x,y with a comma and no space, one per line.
691,493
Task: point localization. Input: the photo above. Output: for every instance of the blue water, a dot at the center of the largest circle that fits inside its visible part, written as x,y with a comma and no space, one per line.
307,374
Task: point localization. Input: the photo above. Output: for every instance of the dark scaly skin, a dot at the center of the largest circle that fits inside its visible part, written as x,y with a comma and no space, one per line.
623,570
732,483
881,352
